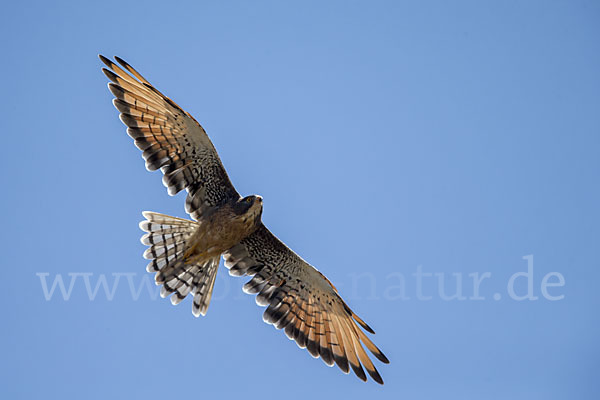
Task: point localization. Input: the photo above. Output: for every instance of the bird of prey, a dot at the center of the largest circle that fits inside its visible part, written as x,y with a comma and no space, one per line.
185,254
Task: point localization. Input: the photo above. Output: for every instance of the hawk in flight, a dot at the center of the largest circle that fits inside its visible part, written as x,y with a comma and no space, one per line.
185,254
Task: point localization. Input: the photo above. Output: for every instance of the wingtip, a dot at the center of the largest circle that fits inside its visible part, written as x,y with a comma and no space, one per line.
109,74
121,61
362,323
375,375
105,60
342,363
381,357
359,372
369,329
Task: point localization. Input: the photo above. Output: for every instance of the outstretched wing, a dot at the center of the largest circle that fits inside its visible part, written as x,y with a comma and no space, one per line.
170,139
303,302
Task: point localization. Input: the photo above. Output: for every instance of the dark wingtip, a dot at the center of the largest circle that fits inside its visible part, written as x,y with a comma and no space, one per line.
375,375
326,355
368,328
110,75
342,363
377,378
358,319
116,90
381,357
121,61
360,373
312,348
301,339
106,61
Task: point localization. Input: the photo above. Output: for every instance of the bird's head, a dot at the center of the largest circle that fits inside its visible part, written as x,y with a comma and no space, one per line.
250,206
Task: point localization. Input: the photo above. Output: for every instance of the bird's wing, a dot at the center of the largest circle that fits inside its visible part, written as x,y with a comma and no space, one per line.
170,139
303,302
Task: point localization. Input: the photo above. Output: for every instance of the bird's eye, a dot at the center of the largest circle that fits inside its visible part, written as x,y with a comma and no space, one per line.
248,200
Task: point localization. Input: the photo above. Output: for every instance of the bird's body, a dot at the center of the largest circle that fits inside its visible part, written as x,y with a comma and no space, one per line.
225,227
185,254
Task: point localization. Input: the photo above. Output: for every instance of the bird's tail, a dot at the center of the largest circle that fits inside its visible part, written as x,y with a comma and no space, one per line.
168,239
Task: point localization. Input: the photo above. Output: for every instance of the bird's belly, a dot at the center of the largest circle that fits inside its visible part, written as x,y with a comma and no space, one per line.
214,238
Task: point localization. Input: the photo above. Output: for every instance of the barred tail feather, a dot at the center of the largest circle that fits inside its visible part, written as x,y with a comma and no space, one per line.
168,239
203,287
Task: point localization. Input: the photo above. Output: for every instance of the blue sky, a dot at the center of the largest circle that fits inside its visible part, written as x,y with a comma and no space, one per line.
397,145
